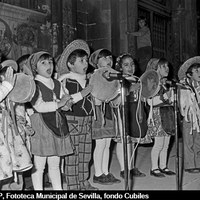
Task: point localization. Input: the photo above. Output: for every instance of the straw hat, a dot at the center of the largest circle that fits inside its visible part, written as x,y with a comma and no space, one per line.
10,63
93,60
74,45
184,67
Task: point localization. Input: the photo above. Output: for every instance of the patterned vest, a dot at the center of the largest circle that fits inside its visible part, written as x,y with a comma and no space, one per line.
55,121
82,107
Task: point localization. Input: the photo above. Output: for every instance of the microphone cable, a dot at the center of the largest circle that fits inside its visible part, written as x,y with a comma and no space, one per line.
140,132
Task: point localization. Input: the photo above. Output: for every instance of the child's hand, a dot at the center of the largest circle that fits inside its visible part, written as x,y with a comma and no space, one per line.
68,105
64,100
88,76
9,76
169,94
86,90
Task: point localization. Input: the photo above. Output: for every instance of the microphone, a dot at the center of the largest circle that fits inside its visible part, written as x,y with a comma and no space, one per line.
168,82
117,76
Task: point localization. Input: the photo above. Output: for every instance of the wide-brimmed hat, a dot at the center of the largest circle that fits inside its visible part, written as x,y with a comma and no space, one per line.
74,45
152,64
184,67
93,60
9,63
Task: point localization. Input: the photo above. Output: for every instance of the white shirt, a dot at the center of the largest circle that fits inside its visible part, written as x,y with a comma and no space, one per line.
40,105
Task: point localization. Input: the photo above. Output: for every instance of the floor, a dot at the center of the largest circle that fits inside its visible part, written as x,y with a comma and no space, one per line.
149,183
188,181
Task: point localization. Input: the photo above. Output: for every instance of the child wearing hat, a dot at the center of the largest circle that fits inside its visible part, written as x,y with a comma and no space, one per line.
189,76
72,68
103,125
51,139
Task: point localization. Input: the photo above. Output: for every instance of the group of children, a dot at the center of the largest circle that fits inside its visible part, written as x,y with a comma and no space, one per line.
63,118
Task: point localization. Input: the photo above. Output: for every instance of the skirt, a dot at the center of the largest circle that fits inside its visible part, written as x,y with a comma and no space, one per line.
102,127
45,143
155,128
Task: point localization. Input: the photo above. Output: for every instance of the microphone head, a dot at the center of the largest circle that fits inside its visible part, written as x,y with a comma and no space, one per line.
131,79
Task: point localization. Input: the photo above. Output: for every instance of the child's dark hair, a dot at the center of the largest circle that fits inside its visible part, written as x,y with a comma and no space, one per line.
77,53
21,60
120,59
163,61
104,53
193,66
45,57
2,72
143,18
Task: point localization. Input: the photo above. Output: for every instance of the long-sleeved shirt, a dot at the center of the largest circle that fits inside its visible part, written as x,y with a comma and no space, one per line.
42,106
81,79
143,37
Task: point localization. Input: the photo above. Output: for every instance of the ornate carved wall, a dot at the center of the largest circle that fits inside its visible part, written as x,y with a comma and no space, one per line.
22,31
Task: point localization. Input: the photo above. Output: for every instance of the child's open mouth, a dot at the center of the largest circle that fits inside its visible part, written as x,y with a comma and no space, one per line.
48,71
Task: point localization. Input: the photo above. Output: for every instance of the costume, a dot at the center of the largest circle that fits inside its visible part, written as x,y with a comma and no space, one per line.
161,116
5,158
161,125
136,127
189,107
131,110
15,156
80,127
103,126
51,136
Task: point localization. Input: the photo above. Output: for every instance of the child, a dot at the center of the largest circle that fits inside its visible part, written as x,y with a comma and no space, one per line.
144,49
127,65
102,132
51,139
73,66
24,121
161,122
7,79
189,75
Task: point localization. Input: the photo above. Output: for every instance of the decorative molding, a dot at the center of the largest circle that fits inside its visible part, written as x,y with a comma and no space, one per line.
19,13
152,5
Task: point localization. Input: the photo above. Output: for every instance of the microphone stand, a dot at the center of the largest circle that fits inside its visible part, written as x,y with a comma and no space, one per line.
124,137
178,182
